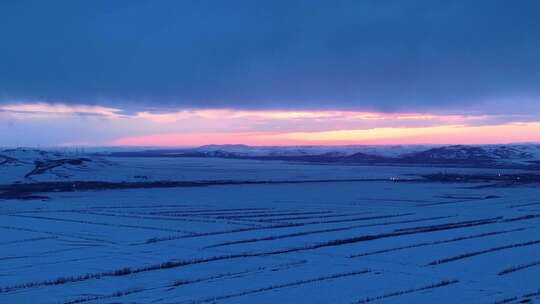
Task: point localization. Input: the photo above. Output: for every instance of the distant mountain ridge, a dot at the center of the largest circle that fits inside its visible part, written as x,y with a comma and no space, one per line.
37,165
518,154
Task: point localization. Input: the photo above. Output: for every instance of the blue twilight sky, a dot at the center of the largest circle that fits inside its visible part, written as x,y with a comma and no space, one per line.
427,56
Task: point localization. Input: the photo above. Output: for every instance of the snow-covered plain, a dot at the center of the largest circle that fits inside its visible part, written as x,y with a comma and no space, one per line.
334,241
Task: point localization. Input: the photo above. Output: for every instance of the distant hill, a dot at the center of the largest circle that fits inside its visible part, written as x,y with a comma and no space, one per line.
521,155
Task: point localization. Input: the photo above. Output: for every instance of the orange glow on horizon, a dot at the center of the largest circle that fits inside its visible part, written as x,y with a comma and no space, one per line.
453,134
192,127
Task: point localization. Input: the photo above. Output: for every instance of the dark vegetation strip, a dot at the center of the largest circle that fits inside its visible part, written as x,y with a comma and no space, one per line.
303,233
60,261
524,205
218,211
29,240
526,298
145,206
116,294
204,214
313,217
125,271
181,263
457,239
371,237
471,222
414,230
196,220
519,267
12,258
96,223
456,202
285,225
57,234
391,200
273,214
521,218
475,253
203,234
279,286
365,218
407,291
507,300
118,272
499,219
522,178
178,283
21,190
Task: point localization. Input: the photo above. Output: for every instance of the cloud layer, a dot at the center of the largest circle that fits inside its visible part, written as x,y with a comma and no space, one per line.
51,125
461,57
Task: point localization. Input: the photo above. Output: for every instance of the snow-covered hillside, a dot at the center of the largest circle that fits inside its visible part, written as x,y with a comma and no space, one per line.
327,241
31,165
218,162
26,165
501,155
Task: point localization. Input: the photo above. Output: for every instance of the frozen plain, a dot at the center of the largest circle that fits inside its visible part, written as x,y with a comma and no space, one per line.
316,242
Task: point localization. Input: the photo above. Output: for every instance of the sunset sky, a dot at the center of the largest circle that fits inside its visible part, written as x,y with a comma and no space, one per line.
187,73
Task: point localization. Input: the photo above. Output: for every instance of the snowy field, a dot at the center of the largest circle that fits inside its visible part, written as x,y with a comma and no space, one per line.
316,242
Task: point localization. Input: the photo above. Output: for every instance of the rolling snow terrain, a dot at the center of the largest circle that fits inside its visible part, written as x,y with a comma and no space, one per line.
522,156
238,224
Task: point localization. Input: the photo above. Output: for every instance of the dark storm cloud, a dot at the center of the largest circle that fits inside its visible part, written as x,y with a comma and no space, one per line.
370,55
